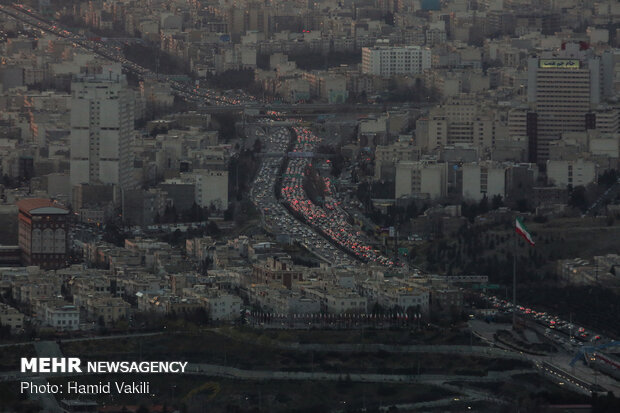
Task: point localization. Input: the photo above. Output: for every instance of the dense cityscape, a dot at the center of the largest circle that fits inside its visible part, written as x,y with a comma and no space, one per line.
310,206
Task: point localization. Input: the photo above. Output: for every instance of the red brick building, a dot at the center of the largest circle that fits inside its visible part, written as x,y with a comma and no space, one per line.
43,230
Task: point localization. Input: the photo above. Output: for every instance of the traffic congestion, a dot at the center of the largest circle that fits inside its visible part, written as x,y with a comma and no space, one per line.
330,219
567,334
185,90
334,225
276,218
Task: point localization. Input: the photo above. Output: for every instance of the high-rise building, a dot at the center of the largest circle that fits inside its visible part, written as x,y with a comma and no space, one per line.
101,130
563,88
392,60
43,228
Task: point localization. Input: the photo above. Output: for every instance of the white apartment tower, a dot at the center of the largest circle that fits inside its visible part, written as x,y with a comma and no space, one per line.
395,60
101,130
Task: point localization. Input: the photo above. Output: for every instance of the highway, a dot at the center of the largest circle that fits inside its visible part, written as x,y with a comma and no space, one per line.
569,339
610,194
275,218
334,227
184,90
208,100
329,219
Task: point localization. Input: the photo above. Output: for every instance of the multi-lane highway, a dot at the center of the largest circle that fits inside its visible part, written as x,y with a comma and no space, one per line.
274,216
185,90
205,98
329,219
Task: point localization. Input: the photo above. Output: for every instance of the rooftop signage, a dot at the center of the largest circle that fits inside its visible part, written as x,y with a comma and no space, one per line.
559,64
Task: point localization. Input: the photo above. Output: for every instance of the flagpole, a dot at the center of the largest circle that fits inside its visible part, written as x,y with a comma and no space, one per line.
514,284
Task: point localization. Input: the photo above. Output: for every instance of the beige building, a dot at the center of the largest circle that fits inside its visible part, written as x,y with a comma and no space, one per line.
106,309
211,188
461,120
277,270
61,316
483,179
337,300
394,60
102,119
397,295
564,88
387,156
422,179
571,173
10,317
223,306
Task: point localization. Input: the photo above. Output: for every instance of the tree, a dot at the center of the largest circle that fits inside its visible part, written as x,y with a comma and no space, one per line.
205,264
497,202
195,213
229,213
522,205
483,206
5,331
578,198
170,215
113,234
213,229
258,146
608,178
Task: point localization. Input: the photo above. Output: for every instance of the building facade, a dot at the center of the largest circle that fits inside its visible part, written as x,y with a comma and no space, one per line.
101,131
211,188
563,89
43,229
421,179
388,60
483,179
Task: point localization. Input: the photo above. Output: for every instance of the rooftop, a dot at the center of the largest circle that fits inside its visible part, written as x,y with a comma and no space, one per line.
41,206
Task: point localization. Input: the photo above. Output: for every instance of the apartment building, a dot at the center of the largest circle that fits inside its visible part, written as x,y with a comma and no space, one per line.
101,130
106,309
483,179
211,188
396,295
421,179
388,61
337,300
10,317
387,156
571,172
61,316
277,270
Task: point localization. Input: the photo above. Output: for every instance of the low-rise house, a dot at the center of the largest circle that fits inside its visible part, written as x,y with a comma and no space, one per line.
61,316
10,317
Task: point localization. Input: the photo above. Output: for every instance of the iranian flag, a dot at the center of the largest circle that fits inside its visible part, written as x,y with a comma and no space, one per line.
522,230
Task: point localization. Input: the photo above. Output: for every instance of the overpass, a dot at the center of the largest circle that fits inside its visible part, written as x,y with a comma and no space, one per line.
305,109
